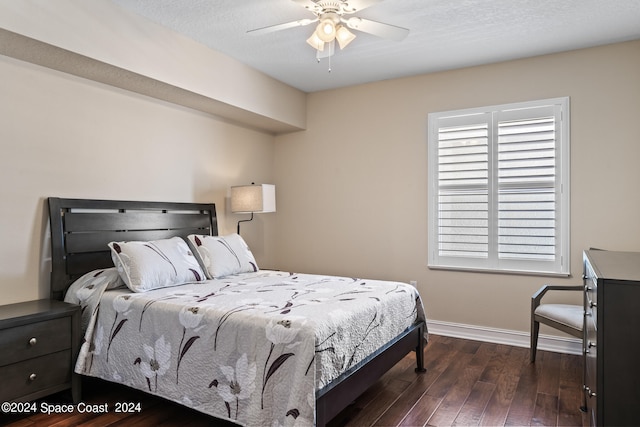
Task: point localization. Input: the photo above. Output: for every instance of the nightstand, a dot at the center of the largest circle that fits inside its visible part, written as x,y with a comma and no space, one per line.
39,344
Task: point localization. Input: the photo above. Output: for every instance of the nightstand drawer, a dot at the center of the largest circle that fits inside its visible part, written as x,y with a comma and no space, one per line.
35,375
35,339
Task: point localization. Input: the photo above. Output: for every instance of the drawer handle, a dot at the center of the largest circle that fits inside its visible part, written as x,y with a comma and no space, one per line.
32,377
33,341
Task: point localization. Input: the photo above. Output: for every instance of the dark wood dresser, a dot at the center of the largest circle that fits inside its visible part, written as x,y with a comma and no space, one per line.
612,337
39,344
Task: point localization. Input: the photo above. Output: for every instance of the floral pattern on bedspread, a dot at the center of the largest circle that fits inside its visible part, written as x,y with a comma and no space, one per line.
252,347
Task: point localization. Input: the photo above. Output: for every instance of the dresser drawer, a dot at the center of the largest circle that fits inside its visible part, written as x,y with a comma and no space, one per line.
35,375
34,340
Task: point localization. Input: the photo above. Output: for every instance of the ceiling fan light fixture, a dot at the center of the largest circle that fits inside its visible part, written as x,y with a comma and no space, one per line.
326,30
315,42
344,36
333,25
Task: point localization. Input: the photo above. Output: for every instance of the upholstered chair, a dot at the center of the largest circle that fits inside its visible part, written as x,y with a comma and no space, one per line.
568,318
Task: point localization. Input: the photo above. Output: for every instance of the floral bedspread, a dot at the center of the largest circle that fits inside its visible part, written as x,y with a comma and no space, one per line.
252,348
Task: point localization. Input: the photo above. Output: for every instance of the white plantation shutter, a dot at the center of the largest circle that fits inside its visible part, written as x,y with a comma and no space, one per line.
463,184
498,193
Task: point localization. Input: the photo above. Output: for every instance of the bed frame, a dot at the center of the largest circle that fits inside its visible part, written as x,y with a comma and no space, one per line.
81,229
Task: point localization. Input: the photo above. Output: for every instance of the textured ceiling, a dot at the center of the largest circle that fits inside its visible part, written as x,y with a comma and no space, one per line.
445,34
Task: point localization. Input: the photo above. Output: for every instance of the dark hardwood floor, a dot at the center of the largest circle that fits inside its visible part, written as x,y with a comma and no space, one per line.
466,383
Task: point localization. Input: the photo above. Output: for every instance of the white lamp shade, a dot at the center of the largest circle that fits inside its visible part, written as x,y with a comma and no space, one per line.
344,36
253,198
326,30
315,42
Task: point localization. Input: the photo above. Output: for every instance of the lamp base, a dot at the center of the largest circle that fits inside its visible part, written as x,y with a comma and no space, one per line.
244,220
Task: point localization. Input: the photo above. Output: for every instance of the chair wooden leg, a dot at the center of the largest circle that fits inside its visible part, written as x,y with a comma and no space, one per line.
535,328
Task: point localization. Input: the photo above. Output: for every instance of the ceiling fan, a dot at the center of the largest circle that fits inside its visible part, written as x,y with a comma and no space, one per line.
334,24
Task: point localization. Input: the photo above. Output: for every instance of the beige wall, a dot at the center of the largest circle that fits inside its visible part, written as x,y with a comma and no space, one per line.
351,188
353,185
99,40
64,136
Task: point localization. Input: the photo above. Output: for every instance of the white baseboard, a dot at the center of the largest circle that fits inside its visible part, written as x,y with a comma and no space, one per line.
569,345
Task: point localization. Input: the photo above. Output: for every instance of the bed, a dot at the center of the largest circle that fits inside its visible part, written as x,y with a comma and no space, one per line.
254,346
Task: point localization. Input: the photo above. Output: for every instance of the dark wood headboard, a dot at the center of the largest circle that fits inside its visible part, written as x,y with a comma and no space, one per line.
82,228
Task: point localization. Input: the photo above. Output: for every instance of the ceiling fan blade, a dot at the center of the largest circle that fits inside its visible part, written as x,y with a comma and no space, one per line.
308,4
379,29
278,27
358,5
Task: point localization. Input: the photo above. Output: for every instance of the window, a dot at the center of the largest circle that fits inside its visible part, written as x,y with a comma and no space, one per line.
499,188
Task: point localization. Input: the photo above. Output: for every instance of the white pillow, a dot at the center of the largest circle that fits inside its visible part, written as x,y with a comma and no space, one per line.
105,278
144,266
224,255
88,289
